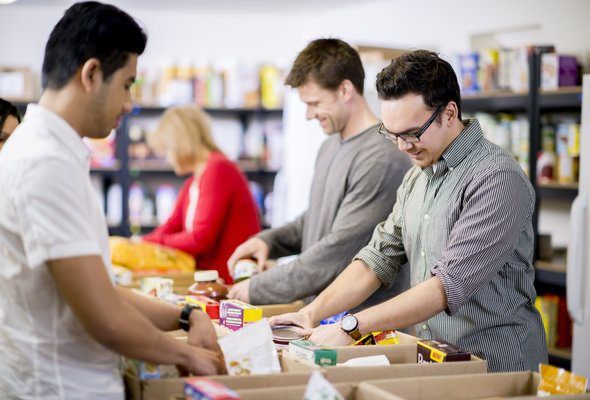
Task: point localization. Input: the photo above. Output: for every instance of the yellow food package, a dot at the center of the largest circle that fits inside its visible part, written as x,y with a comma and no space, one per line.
556,380
149,257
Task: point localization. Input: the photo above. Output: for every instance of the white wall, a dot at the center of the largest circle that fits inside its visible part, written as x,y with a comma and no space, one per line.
446,26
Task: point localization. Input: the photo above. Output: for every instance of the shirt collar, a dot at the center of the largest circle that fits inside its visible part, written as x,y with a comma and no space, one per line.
463,144
60,129
358,135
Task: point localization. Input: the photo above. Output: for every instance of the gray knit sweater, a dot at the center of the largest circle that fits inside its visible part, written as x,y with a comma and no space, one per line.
353,189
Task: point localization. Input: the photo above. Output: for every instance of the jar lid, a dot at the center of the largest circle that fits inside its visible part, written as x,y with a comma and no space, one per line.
207,275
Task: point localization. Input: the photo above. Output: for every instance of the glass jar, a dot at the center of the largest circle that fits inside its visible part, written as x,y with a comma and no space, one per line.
206,285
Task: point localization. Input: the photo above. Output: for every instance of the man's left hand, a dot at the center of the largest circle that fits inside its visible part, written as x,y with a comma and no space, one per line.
240,291
330,335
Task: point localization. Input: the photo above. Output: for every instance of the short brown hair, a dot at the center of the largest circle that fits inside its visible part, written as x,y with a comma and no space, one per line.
181,132
328,62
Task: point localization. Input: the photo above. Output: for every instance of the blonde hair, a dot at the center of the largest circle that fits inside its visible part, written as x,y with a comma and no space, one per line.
183,132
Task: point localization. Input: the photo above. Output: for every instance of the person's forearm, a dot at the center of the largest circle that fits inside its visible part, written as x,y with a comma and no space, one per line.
353,286
165,316
413,306
132,335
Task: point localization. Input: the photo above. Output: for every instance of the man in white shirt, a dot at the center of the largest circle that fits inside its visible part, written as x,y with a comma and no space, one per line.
63,321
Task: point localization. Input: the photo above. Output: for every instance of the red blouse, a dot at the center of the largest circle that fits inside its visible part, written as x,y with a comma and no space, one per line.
225,217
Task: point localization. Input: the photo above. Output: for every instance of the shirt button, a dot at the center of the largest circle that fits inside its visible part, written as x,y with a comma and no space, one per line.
426,216
424,327
451,168
422,253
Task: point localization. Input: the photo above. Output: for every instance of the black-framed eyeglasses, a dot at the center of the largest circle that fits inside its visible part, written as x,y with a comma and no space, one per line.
409,137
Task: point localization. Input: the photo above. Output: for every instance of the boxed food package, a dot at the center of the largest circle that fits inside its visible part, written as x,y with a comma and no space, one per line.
210,306
439,351
234,314
156,286
311,352
204,388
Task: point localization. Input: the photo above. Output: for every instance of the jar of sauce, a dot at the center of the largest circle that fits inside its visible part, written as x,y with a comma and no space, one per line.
206,285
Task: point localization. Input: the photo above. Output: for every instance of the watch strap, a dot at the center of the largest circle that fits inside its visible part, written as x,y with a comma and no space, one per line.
183,321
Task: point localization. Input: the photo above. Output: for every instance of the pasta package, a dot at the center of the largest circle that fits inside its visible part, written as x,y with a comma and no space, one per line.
144,256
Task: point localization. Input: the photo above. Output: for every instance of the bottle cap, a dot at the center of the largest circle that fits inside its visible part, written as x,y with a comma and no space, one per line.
208,275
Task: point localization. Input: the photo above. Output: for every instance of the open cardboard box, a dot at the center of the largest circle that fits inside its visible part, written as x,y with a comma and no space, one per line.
479,386
474,386
349,391
293,373
402,358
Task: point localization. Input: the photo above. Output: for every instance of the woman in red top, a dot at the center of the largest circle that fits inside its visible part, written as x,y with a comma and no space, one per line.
215,211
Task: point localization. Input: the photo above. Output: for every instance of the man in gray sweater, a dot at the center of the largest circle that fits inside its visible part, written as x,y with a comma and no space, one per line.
354,186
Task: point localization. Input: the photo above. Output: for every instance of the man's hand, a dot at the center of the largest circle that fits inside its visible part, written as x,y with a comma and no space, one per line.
298,319
330,335
201,332
240,291
204,362
251,248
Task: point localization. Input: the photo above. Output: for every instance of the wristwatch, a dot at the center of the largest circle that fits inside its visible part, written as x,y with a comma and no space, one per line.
350,325
184,314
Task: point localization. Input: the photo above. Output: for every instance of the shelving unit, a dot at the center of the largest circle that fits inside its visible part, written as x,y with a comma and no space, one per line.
146,170
125,170
550,275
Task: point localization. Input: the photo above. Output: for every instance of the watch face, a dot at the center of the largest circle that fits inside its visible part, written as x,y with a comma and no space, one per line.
349,323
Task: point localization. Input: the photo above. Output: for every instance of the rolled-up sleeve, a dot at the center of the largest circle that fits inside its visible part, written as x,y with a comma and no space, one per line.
385,253
496,209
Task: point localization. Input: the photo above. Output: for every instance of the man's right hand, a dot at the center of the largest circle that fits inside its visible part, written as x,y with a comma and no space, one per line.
251,248
202,361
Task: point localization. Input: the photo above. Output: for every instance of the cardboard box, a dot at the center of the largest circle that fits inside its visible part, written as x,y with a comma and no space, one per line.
473,386
271,310
157,389
401,356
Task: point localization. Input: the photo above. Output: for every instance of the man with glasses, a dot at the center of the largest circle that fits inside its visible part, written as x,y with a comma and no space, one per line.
353,187
463,220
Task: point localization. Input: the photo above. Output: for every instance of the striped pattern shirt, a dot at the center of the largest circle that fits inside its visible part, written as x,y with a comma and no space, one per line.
467,221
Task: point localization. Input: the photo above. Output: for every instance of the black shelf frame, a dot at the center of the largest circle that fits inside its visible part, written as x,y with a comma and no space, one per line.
534,103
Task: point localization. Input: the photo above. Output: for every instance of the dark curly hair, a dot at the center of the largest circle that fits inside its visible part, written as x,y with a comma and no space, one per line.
420,72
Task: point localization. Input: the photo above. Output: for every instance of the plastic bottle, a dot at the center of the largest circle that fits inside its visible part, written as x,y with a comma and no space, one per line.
206,285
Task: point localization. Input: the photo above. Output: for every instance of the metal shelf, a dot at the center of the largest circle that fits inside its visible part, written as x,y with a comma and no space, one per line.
495,102
556,191
550,273
156,109
565,98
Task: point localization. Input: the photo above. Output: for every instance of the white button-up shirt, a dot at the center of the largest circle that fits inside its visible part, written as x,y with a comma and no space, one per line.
48,211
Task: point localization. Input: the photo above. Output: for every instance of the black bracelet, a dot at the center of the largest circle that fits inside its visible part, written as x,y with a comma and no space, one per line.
183,321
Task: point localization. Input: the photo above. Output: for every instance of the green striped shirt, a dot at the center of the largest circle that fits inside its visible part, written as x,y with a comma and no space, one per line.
468,222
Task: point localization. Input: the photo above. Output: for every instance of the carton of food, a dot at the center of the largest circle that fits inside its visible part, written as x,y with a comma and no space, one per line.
234,314
439,351
313,353
207,304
